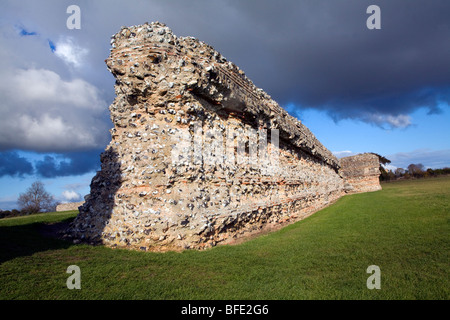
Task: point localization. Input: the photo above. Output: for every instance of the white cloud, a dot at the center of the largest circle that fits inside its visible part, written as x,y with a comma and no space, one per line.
52,130
70,53
41,111
50,101
71,196
389,167
398,121
41,85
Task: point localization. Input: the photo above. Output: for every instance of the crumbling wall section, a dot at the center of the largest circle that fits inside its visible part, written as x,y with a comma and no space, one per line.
157,190
361,173
69,206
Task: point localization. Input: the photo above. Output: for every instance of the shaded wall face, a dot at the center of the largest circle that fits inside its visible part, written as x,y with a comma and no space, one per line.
361,173
198,155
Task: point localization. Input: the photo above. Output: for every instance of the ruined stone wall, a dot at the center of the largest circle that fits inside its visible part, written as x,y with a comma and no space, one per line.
155,191
69,206
361,173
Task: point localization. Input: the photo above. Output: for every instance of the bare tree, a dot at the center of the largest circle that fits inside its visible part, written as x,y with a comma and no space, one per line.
36,199
416,170
399,172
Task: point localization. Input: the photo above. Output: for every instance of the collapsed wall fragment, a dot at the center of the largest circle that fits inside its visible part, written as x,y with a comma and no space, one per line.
361,173
184,168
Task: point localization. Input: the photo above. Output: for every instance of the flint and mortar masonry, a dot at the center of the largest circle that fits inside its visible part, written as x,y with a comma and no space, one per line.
361,173
69,206
167,86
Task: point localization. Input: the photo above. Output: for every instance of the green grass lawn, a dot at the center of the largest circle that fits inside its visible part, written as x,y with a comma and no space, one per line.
403,229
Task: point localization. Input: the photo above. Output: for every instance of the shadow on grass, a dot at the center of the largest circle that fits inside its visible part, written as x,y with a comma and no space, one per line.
25,240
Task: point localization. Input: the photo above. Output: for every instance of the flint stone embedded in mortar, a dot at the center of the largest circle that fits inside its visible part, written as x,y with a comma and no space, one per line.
158,188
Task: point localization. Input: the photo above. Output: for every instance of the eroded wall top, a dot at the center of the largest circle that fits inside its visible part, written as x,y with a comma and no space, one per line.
197,68
361,173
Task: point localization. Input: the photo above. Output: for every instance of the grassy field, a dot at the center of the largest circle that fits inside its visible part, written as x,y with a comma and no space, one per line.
403,229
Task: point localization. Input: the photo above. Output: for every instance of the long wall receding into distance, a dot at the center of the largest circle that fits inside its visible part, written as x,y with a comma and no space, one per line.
199,155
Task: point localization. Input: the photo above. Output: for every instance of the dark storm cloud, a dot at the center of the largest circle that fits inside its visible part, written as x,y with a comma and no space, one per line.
12,164
68,164
320,54
51,166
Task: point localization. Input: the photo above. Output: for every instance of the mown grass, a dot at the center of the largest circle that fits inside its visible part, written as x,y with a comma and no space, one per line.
403,229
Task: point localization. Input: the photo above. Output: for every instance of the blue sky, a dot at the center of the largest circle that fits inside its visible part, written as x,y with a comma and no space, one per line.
385,91
427,133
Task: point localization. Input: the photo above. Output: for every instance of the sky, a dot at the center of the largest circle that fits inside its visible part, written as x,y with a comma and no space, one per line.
357,89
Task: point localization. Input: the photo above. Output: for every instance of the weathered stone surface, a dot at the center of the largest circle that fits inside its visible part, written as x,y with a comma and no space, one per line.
143,198
69,206
361,173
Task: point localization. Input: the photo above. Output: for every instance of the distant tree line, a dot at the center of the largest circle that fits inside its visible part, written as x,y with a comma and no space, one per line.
11,213
34,200
413,171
